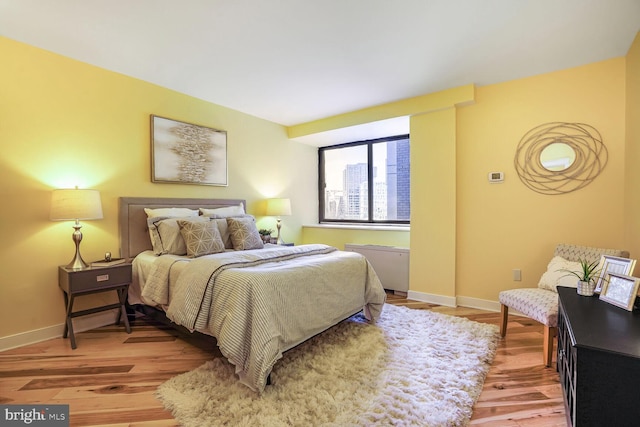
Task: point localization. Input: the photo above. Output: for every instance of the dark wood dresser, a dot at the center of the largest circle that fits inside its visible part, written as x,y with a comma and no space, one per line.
598,361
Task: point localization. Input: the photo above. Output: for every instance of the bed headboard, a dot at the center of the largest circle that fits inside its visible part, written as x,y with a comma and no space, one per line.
132,220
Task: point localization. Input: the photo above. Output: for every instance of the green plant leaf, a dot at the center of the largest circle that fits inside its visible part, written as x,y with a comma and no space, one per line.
588,272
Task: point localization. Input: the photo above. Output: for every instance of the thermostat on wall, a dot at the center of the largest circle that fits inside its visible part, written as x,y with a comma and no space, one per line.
496,177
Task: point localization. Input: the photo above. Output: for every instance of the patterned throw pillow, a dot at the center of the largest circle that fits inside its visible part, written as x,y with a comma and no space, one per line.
244,233
165,234
201,238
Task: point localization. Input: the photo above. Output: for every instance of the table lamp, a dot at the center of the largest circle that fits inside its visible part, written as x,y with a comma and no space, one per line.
74,204
278,208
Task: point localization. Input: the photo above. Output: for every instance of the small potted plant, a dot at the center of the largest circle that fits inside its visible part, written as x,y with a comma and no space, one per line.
265,234
587,277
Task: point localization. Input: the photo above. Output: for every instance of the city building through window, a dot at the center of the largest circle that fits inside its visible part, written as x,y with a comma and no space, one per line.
365,181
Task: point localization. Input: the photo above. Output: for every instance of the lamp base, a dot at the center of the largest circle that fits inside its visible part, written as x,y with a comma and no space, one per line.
279,240
77,263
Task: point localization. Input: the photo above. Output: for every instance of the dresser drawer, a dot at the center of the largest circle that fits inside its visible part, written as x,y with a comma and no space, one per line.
93,278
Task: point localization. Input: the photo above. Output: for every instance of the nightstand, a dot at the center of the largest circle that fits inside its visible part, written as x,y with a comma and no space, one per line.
75,283
275,242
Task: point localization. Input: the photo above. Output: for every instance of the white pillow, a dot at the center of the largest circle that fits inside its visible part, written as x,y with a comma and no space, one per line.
170,212
224,212
558,274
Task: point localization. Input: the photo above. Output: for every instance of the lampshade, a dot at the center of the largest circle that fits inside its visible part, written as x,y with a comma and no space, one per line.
72,204
278,207
75,204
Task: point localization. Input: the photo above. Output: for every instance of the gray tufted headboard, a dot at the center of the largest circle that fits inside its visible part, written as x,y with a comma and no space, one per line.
132,220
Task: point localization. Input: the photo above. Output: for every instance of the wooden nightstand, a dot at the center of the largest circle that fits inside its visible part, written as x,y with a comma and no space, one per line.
75,283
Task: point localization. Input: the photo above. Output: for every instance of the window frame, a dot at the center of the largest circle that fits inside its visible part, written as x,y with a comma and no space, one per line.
370,184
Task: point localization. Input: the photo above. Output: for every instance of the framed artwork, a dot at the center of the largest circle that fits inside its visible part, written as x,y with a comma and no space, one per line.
620,290
613,264
185,153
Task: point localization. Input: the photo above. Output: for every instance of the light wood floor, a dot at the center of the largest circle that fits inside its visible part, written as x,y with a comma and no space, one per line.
111,377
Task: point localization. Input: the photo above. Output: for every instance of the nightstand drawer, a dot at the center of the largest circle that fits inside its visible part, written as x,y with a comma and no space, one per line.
94,278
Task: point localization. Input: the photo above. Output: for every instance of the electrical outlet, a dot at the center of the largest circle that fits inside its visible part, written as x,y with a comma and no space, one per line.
517,275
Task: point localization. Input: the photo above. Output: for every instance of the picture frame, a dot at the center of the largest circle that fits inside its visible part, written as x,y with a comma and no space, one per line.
620,290
186,153
613,264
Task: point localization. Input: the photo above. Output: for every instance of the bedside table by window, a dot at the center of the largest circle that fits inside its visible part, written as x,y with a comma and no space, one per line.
75,283
275,242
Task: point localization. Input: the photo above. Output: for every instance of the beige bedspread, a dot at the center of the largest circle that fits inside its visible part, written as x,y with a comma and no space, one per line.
260,303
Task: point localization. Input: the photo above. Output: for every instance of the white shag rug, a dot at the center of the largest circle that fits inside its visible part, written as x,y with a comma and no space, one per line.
413,367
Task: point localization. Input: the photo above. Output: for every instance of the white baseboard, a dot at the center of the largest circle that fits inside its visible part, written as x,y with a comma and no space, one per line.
80,324
478,303
484,304
432,298
461,301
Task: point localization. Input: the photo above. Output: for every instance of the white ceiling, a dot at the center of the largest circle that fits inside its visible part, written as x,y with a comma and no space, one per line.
293,61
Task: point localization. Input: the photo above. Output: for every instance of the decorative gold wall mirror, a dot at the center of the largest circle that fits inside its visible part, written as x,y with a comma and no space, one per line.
558,158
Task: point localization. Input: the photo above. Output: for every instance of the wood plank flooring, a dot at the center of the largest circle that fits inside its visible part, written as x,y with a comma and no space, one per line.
110,379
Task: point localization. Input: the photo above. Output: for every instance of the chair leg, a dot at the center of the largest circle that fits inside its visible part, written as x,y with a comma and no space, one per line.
504,311
547,350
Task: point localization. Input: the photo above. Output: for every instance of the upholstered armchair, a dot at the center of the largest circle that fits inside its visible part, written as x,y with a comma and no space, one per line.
541,303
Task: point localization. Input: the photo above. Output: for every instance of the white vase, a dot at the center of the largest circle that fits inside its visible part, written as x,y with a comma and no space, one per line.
586,288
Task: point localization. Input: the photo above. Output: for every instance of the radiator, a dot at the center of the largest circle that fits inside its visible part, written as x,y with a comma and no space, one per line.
390,263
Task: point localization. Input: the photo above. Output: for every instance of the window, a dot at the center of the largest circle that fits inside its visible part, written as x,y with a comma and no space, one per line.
365,182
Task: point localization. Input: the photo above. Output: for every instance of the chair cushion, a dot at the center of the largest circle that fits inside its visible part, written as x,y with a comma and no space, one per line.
538,304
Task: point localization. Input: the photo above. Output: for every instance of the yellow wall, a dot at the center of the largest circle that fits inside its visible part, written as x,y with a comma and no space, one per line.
433,203
66,123
508,226
406,107
632,171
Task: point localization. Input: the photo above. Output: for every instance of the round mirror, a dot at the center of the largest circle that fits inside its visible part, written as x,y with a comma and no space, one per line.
557,156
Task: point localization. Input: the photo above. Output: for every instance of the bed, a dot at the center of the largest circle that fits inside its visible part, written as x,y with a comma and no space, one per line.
256,300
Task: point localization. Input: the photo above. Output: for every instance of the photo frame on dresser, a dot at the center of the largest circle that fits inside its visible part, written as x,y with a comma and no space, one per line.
613,264
185,153
620,290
